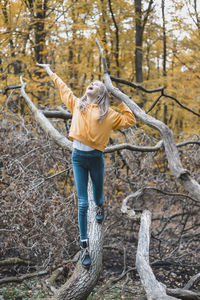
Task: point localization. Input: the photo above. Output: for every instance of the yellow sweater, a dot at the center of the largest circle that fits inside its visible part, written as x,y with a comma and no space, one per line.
85,126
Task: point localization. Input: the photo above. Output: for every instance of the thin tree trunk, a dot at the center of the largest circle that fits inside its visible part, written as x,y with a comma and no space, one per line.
39,30
138,41
116,39
164,39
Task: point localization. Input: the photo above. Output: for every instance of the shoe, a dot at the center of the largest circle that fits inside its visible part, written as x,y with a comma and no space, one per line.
100,213
85,256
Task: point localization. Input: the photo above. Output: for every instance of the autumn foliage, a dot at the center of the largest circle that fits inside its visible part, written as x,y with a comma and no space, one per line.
62,33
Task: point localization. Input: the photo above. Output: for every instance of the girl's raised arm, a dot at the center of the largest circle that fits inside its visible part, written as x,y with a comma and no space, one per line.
66,94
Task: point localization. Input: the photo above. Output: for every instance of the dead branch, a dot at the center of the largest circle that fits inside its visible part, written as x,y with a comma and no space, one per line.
180,293
57,114
195,279
161,89
43,180
136,86
183,294
44,122
10,87
171,150
154,289
14,261
22,277
125,208
174,99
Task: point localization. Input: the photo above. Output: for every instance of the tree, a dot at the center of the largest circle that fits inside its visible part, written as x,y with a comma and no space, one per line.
139,31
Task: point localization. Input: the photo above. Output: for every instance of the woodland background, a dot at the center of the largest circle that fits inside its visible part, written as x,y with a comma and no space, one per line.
38,215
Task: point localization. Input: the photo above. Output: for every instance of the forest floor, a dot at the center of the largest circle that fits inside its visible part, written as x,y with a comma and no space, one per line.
34,289
112,285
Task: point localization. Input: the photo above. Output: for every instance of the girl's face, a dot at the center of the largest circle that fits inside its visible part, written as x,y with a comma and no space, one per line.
94,88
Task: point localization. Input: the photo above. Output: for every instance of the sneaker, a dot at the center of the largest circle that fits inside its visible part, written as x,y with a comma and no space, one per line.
85,256
100,213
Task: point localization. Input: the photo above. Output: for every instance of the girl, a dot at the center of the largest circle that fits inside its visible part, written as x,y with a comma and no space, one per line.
92,122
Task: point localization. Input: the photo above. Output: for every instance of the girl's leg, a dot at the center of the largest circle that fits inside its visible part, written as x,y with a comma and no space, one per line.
81,183
97,175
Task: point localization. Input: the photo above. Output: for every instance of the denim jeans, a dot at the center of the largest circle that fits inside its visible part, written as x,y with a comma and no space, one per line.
85,163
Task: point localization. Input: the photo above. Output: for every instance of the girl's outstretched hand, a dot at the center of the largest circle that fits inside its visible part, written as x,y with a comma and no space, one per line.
42,65
46,67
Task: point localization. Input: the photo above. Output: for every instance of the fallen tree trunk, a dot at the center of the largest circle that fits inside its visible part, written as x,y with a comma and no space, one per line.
154,289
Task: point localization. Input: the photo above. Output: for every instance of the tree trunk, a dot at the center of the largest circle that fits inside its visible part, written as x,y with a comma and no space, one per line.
139,30
164,39
39,30
138,41
116,39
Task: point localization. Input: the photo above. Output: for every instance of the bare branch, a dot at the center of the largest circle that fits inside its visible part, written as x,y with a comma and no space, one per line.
147,14
177,101
10,87
102,56
195,279
59,139
154,289
161,89
125,208
22,277
134,147
57,114
136,86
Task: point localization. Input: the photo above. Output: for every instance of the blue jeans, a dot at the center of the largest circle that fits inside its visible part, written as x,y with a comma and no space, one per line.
85,163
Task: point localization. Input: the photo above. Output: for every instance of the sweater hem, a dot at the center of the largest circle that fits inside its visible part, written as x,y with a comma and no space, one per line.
86,142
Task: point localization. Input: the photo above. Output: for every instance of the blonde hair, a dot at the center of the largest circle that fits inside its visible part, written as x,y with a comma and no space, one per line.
102,101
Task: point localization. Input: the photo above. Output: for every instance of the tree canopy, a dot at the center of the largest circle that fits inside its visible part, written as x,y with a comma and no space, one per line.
62,33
